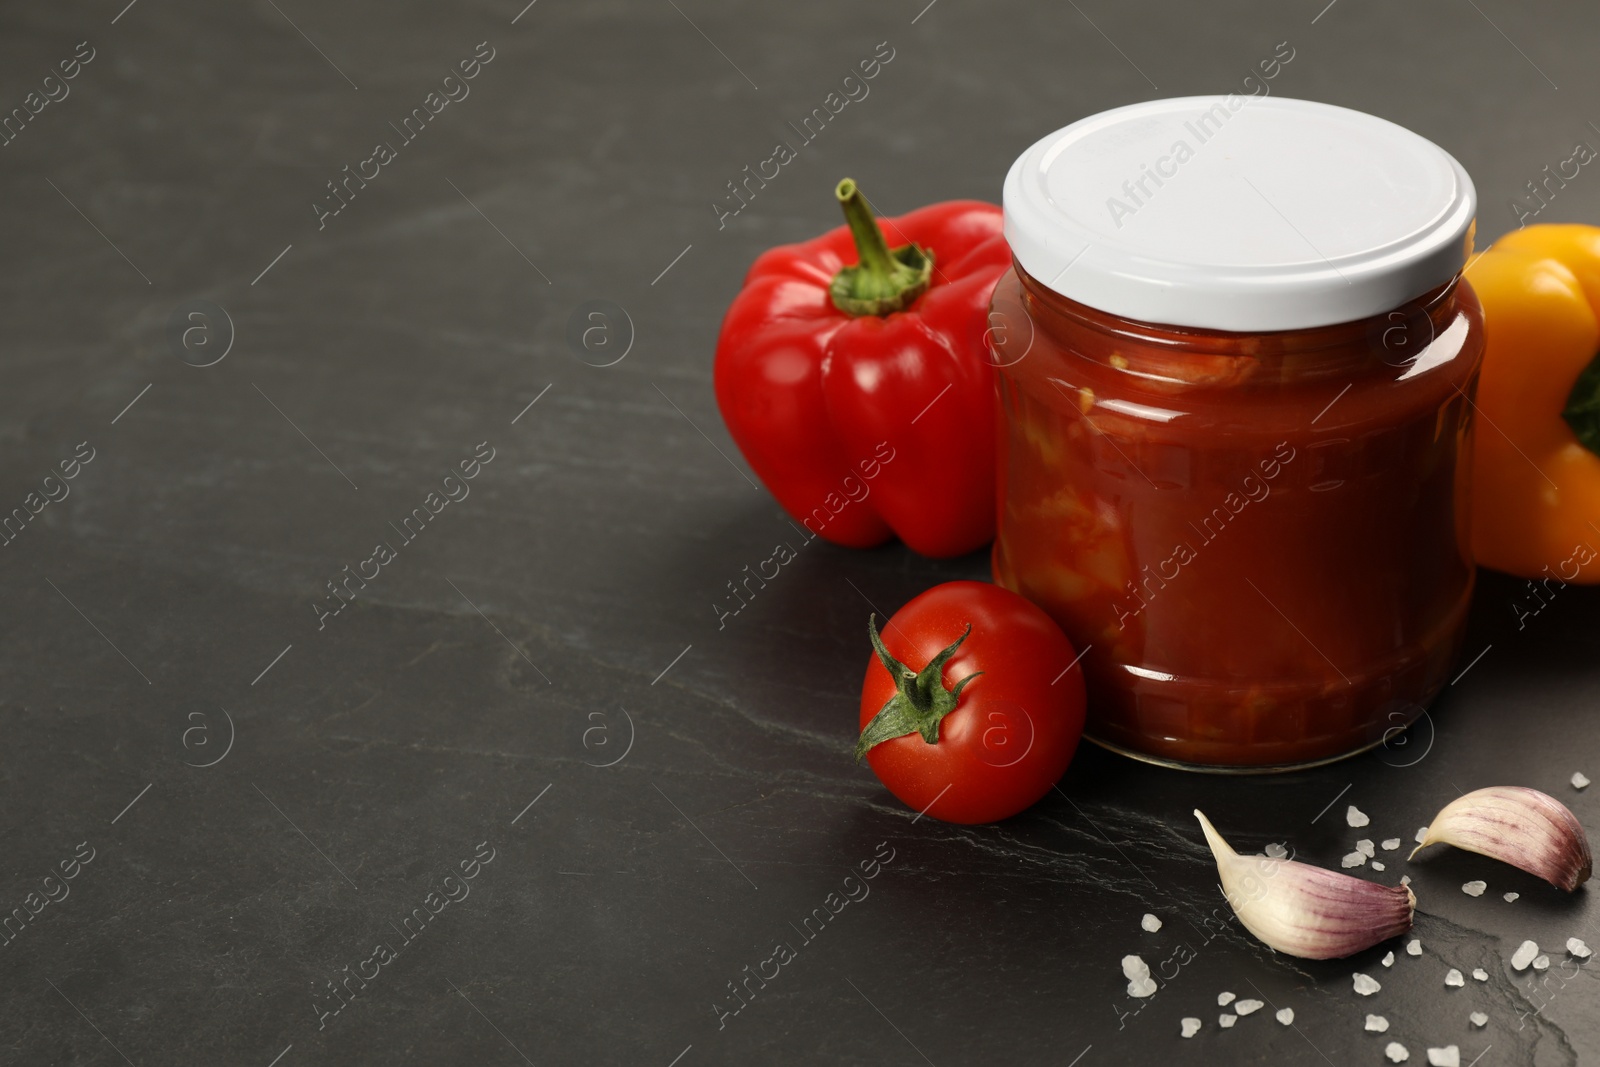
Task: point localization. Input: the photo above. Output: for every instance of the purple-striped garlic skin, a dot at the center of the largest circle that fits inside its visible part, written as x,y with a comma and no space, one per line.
1307,911
1528,829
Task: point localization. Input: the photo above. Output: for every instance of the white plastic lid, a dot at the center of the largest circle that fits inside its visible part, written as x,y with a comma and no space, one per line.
1239,213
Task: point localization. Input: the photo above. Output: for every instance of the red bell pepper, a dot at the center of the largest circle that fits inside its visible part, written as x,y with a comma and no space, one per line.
862,393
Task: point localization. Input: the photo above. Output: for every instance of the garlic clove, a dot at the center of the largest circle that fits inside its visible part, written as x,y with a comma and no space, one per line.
1307,911
1523,827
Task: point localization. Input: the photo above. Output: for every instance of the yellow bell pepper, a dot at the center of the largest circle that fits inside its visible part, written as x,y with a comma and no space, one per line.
1536,474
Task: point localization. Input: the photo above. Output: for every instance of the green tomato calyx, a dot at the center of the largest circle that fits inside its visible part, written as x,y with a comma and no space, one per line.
921,700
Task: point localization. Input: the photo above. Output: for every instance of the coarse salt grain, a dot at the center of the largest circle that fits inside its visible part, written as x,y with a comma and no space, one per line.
1366,845
1364,985
1391,843
1377,866
1413,947
1276,851
1354,859
1578,948
1474,888
1579,781
1224,999
1449,1056
1191,1026
1479,1019
1286,1016
1248,1007
1377,1024
1405,879
1225,1020
1479,974
1396,1052
1388,959
1150,923
1511,897
1454,978
1541,962
1355,816
1524,955
1140,984
1422,832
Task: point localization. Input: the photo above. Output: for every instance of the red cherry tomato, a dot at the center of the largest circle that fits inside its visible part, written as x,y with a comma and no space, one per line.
1004,709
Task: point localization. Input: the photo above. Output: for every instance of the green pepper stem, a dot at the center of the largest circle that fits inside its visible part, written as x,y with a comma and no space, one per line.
870,245
885,280
1582,412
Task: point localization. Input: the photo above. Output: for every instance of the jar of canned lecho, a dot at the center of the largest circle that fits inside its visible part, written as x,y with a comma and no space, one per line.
1236,360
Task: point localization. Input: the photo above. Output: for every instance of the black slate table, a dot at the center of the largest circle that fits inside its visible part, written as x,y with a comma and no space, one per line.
257,778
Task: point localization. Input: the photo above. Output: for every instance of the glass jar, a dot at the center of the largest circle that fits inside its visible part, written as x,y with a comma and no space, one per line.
1252,521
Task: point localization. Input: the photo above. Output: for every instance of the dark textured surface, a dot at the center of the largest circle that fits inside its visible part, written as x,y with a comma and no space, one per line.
522,639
